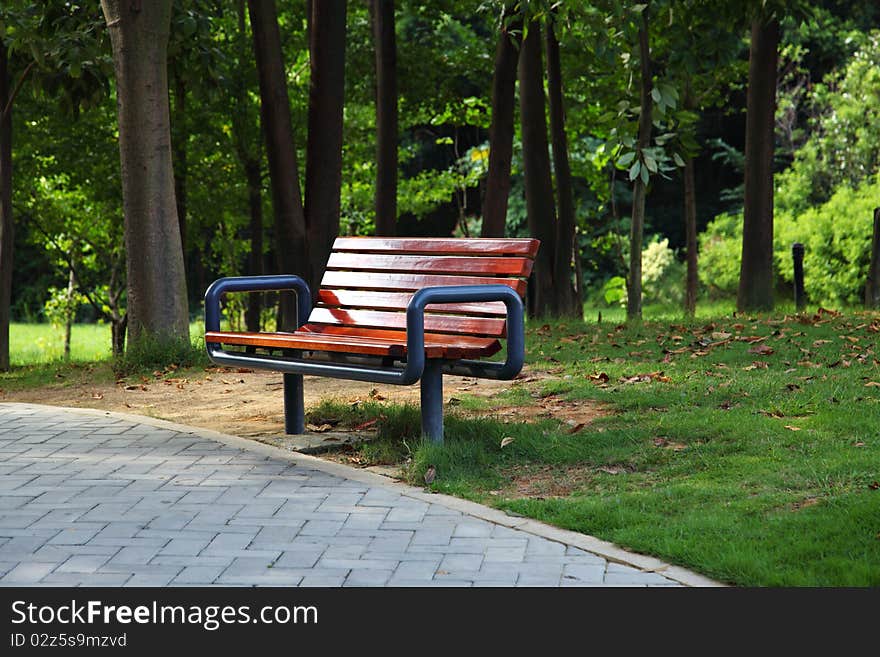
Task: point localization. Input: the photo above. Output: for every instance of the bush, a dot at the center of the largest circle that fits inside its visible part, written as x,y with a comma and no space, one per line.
662,277
837,240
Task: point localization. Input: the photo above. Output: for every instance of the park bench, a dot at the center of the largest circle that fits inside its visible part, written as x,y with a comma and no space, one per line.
390,310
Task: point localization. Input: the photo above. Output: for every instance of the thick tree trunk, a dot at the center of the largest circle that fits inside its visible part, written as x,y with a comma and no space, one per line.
157,302
6,225
690,227
324,147
637,227
255,263
536,173
566,255
501,130
290,225
756,272
386,116
872,286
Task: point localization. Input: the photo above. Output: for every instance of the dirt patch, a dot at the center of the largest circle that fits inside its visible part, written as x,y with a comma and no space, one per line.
249,404
549,481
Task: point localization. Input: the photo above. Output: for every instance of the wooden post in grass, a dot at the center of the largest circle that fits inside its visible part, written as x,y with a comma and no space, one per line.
872,287
797,254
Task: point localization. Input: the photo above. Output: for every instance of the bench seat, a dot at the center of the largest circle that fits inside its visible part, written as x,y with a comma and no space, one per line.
390,310
369,342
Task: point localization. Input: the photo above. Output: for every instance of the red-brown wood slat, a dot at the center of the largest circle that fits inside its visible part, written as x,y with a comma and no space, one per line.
473,346
439,245
400,300
410,282
477,326
431,264
363,342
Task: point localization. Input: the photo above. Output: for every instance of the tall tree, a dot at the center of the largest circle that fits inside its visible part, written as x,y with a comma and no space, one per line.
247,137
6,224
324,146
540,208
290,225
756,272
640,185
569,298
157,302
501,130
386,116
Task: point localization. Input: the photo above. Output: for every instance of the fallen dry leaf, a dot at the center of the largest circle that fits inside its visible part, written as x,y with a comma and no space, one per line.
872,384
601,377
792,428
761,349
365,425
576,428
319,428
612,470
668,444
506,441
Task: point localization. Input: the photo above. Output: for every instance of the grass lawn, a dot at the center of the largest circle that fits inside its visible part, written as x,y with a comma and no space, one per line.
745,448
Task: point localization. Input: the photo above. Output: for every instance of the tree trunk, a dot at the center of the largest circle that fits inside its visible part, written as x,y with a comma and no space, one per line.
872,286
255,264
566,256
502,129
157,302
6,225
690,226
637,228
756,272
536,173
290,225
69,311
324,147
386,116
181,168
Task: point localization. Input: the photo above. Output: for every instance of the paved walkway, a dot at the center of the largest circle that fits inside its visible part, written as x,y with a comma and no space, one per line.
101,499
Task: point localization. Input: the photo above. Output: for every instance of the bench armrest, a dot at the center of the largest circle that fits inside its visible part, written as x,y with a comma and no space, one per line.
256,284
415,326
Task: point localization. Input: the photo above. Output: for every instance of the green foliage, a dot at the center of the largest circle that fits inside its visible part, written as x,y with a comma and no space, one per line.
844,145
837,240
662,276
721,255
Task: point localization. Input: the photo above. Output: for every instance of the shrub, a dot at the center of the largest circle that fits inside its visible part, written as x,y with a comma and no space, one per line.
837,240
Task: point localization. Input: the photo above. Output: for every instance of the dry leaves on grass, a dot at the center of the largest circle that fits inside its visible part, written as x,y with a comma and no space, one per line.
665,443
645,378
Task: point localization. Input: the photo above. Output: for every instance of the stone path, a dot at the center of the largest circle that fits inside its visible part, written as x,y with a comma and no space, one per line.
90,498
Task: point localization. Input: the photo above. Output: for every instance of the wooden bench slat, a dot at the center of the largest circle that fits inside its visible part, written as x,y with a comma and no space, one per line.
474,346
384,344
410,282
432,264
400,300
439,245
478,326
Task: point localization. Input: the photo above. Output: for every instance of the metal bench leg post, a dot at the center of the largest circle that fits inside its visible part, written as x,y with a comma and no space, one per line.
432,401
294,411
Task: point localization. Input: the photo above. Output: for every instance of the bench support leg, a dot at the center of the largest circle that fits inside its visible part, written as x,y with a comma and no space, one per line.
294,412
432,401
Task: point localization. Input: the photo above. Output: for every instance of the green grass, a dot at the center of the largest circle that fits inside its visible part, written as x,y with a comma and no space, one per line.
36,355
753,468
36,344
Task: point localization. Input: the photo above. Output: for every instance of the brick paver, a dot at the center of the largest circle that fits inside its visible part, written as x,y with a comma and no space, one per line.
91,498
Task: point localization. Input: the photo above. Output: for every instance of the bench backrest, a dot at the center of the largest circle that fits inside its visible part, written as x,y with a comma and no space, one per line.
370,280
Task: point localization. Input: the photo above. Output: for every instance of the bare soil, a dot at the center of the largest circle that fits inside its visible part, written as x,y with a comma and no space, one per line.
249,403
